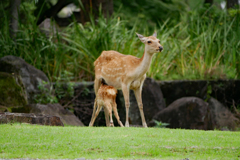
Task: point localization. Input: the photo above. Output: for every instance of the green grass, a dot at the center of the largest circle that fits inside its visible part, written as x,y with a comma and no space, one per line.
33,141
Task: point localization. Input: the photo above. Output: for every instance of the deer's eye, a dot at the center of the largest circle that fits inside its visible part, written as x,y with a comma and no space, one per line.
149,42
158,41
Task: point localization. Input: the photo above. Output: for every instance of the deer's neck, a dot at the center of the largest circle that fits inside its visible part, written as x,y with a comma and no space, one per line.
145,63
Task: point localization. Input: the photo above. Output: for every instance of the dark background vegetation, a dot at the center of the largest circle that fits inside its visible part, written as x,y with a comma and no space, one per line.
201,39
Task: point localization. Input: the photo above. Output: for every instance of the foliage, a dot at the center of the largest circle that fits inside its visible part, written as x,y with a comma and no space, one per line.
63,87
154,13
62,91
46,94
160,124
199,43
45,142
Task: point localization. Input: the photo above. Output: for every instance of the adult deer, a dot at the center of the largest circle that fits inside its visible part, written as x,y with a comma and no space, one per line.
127,72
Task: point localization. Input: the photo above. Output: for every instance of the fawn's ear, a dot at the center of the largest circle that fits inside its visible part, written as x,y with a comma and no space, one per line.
155,34
141,37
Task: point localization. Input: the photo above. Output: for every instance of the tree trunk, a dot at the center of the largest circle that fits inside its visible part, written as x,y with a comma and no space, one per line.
14,4
232,3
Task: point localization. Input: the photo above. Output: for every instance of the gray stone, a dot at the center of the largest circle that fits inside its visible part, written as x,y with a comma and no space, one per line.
221,115
31,77
173,90
187,113
67,117
13,94
30,118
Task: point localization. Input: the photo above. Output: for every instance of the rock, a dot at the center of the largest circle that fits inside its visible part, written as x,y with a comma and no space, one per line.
226,91
30,118
48,27
30,76
67,117
173,90
3,109
187,113
222,117
13,94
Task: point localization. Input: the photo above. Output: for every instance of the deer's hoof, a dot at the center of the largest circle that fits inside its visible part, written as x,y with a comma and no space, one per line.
145,125
111,124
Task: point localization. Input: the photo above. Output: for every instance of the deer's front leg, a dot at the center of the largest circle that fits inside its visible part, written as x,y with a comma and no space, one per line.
125,90
138,95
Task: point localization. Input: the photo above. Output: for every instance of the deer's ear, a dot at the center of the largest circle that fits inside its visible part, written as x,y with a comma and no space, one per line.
155,34
141,37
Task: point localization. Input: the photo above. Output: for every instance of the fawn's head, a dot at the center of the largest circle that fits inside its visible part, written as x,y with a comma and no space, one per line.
152,44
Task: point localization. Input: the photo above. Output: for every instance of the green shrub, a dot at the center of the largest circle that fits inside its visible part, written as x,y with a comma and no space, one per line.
200,43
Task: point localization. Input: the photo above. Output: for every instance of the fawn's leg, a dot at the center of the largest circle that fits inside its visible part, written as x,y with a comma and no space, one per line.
106,112
93,114
97,112
116,114
109,108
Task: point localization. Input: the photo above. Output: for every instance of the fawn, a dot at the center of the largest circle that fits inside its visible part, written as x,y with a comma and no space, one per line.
105,98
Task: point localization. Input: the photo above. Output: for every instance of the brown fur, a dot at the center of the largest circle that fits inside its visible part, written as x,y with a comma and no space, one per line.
106,97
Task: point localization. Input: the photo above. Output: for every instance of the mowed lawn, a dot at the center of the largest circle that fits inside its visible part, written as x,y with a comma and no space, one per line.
46,142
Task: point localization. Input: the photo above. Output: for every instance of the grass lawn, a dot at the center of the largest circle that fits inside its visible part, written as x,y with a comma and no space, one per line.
45,142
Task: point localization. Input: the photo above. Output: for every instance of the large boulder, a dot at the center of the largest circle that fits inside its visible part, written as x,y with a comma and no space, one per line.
30,118
67,117
31,77
187,113
12,92
222,117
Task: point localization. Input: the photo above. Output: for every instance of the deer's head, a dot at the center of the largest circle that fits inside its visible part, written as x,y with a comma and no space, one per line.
152,44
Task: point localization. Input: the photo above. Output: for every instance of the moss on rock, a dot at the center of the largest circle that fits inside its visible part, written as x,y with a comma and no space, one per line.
13,94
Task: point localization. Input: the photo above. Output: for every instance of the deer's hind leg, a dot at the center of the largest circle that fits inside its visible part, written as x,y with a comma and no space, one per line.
97,84
109,112
93,114
106,112
116,114
99,107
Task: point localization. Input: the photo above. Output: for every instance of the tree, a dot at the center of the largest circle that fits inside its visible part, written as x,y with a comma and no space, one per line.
14,6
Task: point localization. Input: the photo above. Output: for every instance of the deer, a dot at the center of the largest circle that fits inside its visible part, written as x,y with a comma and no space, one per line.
125,72
106,97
